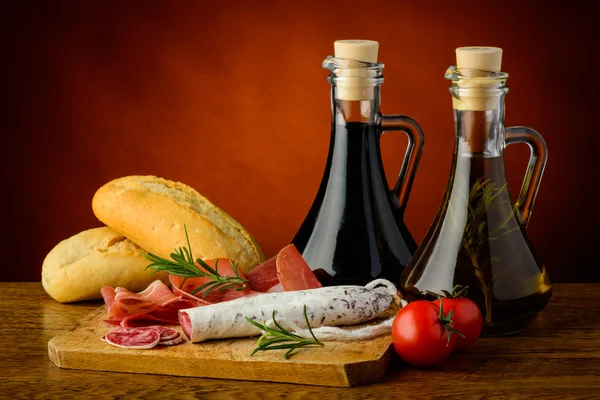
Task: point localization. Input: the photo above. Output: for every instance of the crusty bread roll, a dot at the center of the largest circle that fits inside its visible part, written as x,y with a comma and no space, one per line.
78,267
152,211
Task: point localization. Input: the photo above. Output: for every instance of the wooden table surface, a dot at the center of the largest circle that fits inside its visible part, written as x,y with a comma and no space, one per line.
558,358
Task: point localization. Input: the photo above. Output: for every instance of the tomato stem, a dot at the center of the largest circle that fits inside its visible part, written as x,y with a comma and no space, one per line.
446,321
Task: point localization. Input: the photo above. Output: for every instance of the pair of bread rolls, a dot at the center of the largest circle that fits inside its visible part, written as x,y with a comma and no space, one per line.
143,214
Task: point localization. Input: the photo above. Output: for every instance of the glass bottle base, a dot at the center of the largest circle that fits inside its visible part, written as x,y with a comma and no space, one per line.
508,328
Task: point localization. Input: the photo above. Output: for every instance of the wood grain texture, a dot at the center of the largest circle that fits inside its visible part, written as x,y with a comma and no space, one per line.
558,358
339,364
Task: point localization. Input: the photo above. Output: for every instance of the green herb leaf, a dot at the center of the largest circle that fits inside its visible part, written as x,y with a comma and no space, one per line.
280,338
182,264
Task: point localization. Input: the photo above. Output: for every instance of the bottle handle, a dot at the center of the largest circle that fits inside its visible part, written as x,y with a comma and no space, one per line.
412,157
535,169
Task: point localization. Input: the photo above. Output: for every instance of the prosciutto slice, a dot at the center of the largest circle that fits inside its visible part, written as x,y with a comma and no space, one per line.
158,304
286,271
293,272
154,304
184,287
263,277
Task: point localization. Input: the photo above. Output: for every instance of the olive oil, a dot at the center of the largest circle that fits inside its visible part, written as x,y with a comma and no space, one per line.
478,240
478,236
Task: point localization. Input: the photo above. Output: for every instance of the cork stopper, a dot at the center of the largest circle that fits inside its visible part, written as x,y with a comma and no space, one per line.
479,57
354,81
478,64
357,50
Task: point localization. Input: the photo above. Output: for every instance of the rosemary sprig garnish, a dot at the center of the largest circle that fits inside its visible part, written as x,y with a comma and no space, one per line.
280,338
182,264
484,196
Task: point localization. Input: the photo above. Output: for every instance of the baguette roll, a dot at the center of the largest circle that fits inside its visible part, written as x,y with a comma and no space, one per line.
78,267
152,212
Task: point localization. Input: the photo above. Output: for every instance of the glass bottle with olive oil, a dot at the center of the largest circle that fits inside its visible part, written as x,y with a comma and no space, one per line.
478,236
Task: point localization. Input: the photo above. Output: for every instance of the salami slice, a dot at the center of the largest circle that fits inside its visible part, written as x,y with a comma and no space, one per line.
172,342
133,338
165,333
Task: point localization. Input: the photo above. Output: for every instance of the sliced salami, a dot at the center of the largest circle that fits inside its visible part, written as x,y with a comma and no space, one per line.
165,333
133,338
172,342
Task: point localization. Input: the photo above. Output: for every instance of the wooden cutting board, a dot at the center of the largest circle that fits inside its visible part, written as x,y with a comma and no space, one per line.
342,364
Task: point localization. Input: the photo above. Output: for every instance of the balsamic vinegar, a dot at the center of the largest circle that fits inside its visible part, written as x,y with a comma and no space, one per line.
354,232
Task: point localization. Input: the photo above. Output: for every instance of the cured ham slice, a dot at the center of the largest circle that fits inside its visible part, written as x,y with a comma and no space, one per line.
139,320
276,288
155,298
264,276
142,320
158,304
284,272
108,294
154,304
293,272
186,295
184,287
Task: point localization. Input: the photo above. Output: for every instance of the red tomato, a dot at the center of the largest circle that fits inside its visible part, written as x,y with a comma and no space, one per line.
419,335
467,320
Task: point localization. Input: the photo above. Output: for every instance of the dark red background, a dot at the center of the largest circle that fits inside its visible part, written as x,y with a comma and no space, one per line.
230,98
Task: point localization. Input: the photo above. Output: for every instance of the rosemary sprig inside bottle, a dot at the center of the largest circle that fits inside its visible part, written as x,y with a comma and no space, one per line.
182,264
280,338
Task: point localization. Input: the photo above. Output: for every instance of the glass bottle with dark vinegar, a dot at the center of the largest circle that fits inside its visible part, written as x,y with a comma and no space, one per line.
354,231
478,237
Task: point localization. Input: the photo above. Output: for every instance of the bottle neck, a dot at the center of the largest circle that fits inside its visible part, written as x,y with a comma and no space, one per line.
478,102
480,132
365,110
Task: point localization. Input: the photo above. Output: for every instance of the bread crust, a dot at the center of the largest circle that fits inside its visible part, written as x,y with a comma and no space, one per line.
78,267
152,212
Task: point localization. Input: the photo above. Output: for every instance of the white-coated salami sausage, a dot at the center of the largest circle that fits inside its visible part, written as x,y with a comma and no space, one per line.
328,306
